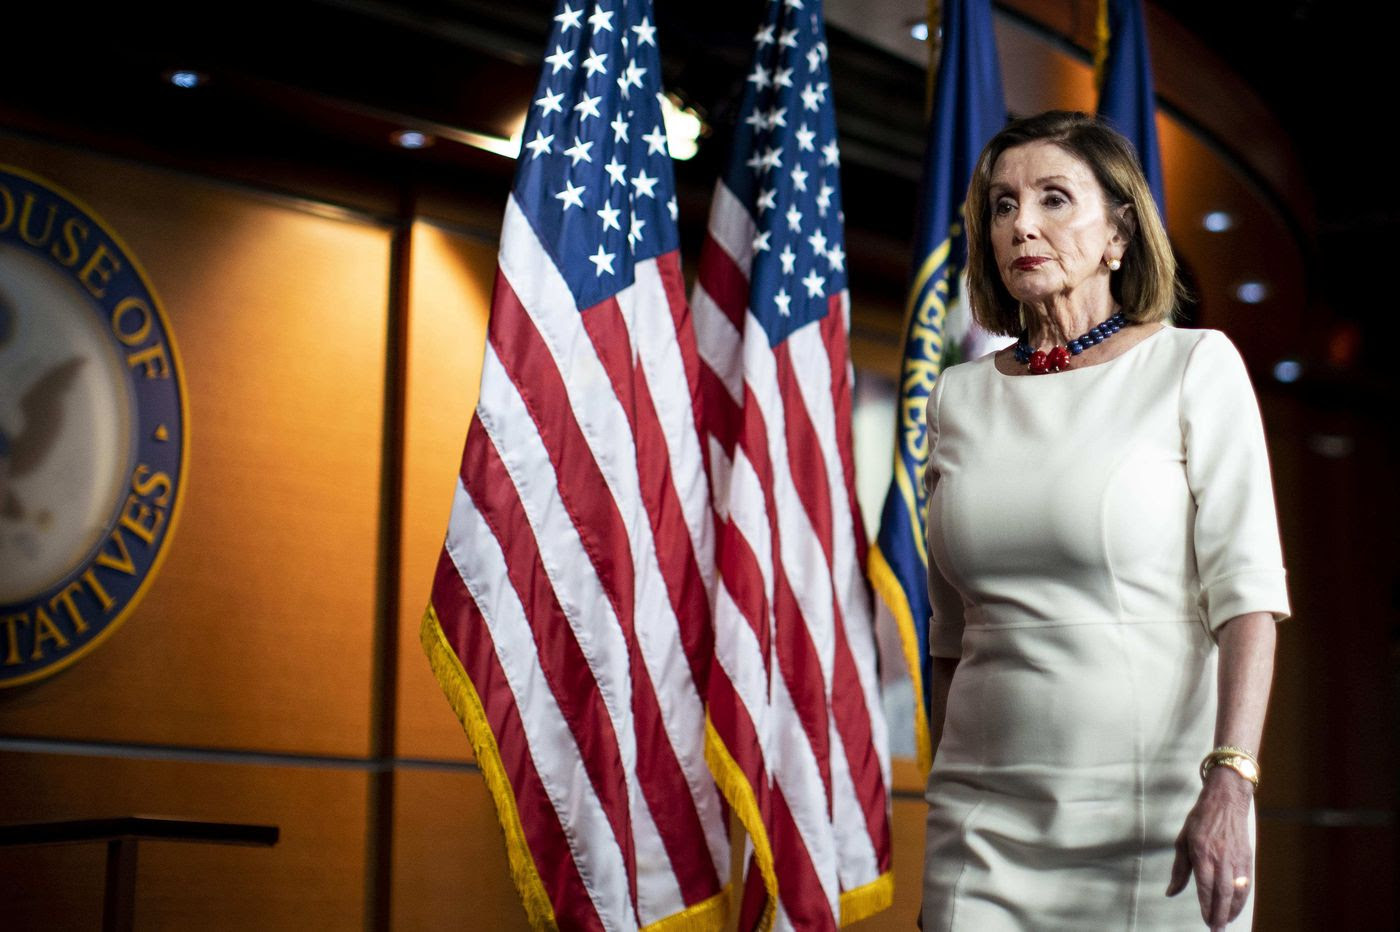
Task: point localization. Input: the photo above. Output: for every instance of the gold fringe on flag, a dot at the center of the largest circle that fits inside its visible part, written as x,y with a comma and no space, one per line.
887,587
736,789
462,696
855,905
864,902
706,916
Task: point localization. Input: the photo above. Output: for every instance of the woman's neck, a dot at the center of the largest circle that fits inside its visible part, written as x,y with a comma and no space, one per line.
1056,322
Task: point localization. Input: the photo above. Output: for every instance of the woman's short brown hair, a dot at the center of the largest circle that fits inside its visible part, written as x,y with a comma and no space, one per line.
1145,287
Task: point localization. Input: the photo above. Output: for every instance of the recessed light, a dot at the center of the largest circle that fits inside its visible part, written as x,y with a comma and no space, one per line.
919,31
1218,221
411,139
1252,292
1332,446
185,78
684,127
1288,370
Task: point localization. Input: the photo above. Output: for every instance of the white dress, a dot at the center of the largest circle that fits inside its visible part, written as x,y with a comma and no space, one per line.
1089,530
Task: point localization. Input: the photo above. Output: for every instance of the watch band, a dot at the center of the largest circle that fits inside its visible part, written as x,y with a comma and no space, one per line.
1237,759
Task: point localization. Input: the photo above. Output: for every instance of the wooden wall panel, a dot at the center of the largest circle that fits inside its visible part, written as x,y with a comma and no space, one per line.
907,823
257,632
450,868
448,308
451,872
313,878
54,887
1258,247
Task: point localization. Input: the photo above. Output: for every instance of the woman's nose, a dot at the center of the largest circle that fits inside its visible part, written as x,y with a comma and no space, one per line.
1023,225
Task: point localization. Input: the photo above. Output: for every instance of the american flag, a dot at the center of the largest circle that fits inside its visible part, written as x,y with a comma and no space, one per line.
570,614
797,735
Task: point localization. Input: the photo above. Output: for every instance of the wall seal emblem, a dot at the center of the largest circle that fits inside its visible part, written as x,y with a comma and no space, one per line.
93,433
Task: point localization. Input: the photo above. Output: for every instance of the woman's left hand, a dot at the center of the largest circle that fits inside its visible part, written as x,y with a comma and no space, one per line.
1214,845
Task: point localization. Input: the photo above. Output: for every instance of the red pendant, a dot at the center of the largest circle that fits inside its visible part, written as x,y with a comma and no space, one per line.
1057,360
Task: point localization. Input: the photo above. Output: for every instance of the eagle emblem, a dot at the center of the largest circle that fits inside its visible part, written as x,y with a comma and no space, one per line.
92,429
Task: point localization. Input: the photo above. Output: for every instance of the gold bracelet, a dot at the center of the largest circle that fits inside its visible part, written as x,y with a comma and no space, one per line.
1236,758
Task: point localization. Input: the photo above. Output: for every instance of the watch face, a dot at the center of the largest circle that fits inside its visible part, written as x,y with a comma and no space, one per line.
1246,767
1239,763
1242,766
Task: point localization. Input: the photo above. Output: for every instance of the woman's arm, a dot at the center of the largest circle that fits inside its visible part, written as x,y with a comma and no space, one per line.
942,675
947,607
1214,843
945,627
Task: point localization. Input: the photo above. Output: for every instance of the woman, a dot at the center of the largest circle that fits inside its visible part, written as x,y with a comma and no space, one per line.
1105,568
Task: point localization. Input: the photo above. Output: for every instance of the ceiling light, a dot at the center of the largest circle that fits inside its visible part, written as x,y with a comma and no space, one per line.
411,139
1288,370
919,31
1332,446
1252,292
1217,221
185,78
507,146
683,127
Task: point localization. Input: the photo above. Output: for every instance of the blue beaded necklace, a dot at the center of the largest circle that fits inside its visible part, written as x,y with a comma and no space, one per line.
1057,358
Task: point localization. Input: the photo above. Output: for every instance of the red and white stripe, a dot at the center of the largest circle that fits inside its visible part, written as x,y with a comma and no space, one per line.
575,587
794,693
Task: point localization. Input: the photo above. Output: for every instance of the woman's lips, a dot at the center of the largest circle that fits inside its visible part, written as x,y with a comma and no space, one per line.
1026,263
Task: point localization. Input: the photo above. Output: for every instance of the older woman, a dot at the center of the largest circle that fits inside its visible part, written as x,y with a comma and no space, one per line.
1104,568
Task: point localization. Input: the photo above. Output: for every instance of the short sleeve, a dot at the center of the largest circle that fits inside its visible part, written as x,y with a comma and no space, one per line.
1238,555
946,626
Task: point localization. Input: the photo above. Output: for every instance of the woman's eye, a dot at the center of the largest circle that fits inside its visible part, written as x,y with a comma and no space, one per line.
1003,207
1054,199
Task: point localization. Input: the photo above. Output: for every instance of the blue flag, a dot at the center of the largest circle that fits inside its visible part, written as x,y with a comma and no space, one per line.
1126,98
968,110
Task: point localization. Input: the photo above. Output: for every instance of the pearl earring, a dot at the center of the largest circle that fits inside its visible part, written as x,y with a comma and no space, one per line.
1114,265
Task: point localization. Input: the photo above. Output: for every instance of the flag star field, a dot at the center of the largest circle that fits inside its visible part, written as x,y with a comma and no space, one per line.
790,184
599,192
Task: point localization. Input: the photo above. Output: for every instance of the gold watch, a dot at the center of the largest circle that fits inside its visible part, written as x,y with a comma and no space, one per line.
1237,759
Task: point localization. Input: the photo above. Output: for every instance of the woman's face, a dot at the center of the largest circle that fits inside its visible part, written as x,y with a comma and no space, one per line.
1050,228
